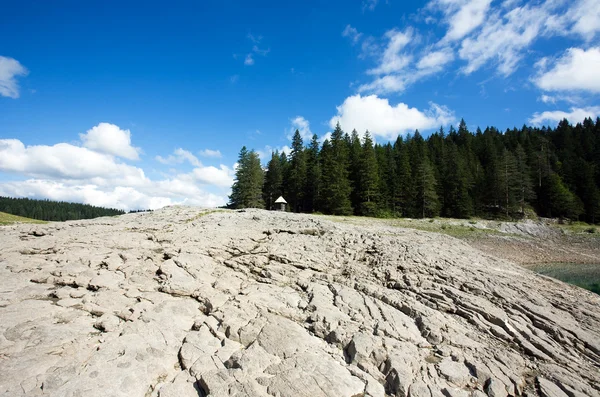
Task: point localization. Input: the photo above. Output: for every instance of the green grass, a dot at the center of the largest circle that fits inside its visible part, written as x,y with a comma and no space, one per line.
582,275
581,228
9,219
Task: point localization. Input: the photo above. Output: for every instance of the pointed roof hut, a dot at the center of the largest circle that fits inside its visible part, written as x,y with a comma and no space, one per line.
281,201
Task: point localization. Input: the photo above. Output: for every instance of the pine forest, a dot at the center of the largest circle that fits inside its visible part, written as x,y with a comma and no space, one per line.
551,172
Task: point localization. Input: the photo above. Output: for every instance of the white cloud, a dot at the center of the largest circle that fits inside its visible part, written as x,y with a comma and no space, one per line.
249,60
210,153
369,5
504,37
385,85
9,69
303,126
352,33
63,160
179,156
585,16
80,174
254,39
110,139
222,176
265,154
260,51
547,99
574,115
462,16
392,59
576,70
382,119
436,60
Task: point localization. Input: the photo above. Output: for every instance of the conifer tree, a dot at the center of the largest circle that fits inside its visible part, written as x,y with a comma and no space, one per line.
524,184
297,174
313,175
246,191
336,184
426,198
273,181
368,179
355,154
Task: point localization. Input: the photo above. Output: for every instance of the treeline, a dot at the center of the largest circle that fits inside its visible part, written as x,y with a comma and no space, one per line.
554,171
47,210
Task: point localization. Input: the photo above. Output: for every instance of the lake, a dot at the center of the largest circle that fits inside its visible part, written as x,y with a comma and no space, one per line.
583,275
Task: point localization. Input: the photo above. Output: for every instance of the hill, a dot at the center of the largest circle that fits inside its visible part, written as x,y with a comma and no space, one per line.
7,219
182,302
47,210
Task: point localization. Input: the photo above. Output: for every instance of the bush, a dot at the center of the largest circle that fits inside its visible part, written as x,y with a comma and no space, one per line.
591,230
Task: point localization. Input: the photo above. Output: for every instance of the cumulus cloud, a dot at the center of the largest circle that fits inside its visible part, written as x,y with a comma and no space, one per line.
179,156
10,69
576,70
73,173
303,126
265,154
216,154
574,115
249,60
385,120
64,161
110,139
222,176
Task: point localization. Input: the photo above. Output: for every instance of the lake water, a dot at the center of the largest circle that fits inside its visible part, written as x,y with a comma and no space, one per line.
583,275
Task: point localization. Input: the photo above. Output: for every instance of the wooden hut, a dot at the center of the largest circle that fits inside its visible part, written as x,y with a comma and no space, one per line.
280,204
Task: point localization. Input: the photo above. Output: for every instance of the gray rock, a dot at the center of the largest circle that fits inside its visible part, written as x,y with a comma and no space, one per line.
167,304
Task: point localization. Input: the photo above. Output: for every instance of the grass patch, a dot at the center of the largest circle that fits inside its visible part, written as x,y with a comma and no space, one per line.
204,213
9,219
581,228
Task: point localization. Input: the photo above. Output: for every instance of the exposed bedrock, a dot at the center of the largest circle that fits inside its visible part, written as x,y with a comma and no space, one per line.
188,302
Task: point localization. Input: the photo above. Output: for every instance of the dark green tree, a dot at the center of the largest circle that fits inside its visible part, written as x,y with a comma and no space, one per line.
368,178
336,184
297,174
246,191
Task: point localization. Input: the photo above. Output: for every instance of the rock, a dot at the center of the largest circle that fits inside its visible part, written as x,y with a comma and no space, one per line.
549,389
455,372
272,303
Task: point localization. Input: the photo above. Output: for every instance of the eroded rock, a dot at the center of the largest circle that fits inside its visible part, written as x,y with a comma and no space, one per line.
278,304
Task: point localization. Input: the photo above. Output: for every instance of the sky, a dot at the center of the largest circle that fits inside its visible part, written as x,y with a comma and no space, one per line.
137,105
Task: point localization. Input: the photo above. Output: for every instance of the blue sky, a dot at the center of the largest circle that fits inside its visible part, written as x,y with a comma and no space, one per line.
140,105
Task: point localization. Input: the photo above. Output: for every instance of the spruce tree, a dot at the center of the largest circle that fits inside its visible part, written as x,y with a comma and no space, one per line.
336,184
368,179
426,197
313,175
297,174
273,181
246,191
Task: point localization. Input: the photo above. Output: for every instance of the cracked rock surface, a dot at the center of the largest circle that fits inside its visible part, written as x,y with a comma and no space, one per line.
188,302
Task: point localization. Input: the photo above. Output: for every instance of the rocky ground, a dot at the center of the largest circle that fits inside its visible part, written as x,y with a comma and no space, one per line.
182,302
